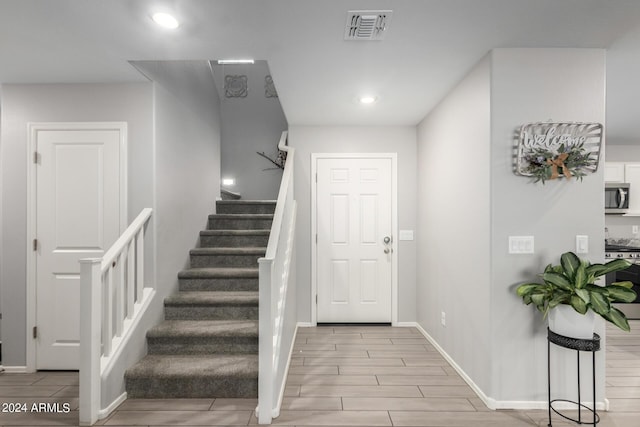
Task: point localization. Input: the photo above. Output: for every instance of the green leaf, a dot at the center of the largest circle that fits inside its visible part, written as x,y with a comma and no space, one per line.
578,305
570,263
580,277
584,295
621,294
600,303
559,280
625,284
527,288
615,265
618,318
562,298
596,270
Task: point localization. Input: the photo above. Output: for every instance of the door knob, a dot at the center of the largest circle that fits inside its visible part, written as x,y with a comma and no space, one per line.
386,240
387,250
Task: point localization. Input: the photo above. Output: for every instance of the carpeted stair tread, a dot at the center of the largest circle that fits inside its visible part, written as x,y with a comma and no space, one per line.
205,328
221,273
211,366
228,251
207,298
241,216
256,232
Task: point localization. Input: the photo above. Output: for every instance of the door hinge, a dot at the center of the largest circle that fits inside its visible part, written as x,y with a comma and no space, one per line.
35,244
36,157
316,177
316,238
35,332
316,299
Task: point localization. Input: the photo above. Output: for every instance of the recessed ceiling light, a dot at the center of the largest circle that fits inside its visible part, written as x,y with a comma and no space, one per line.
165,20
367,100
234,61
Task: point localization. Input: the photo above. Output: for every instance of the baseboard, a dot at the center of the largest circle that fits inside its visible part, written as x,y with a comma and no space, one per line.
104,413
15,369
405,324
492,403
488,401
304,325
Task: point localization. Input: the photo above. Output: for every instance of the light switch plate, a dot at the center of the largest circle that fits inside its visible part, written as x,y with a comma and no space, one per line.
521,244
406,235
582,244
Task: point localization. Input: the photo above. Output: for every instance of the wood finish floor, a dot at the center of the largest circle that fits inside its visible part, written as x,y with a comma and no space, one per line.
341,376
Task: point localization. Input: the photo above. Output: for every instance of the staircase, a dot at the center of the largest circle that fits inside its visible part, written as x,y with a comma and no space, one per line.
207,345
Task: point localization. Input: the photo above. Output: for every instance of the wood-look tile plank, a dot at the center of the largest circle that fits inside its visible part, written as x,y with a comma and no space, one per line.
332,380
333,418
346,339
314,370
406,404
392,370
166,404
179,418
224,404
449,390
359,391
411,361
311,404
332,353
29,391
385,347
426,380
460,419
351,361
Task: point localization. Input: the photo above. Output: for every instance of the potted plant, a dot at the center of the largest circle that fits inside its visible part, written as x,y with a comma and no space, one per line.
571,286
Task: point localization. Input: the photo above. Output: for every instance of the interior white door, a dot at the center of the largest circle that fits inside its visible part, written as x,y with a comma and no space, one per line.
353,219
78,216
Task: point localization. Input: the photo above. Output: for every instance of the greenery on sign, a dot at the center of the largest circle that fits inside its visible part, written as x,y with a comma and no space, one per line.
573,283
568,161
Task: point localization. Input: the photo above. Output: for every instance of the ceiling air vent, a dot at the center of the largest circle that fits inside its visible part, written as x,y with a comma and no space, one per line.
367,24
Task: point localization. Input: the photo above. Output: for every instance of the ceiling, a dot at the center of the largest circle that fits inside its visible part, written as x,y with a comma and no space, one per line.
429,46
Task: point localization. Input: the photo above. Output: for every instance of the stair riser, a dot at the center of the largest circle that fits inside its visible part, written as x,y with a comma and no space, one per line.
239,223
214,261
203,387
218,285
233,241
198,345
211,313
223,208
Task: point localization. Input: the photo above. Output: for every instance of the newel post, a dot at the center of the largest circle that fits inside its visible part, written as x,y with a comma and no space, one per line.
90,335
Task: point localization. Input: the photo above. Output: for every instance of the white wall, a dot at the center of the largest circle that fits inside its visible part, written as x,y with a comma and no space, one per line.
58,103
249,125
454,203
530,85
466,143
401,140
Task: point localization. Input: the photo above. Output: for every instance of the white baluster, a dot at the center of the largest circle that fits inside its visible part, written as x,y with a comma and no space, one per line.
120,295
139,264
107,326
131,267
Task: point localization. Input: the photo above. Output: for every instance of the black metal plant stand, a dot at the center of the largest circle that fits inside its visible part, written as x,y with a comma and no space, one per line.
579,345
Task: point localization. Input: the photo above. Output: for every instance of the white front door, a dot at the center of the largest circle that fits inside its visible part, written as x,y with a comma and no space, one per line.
353,220
77,216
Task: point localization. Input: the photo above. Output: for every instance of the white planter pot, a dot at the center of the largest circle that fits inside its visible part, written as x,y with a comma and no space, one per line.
564,320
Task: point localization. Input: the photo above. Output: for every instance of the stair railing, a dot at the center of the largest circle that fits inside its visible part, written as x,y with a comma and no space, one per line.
112,299
274,282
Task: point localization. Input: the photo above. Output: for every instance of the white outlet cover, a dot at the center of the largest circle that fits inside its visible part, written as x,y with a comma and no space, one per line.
406,235
521,244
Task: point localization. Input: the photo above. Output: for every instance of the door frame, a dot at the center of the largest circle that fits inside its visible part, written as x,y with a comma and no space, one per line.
394,226
32,134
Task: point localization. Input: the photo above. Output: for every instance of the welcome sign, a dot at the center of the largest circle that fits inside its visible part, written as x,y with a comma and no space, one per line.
552,150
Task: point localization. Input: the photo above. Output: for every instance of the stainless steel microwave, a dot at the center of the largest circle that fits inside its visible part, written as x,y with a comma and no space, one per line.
616,198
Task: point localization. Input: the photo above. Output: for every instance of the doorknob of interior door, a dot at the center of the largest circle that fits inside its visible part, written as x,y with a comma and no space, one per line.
386,240
387,250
